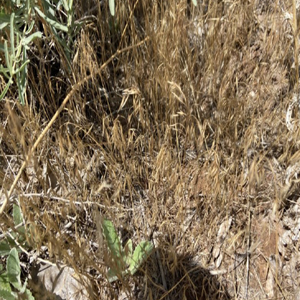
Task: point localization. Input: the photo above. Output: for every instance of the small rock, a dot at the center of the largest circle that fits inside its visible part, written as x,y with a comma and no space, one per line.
50,282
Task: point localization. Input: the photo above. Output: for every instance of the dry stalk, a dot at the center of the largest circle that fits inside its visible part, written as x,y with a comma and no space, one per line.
296,54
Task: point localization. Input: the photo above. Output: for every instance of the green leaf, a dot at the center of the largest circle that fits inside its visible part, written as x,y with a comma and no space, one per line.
194,2
13,269
4,282
111,4
4,20
29,295
4,248
23,289
117,264
112,239
124,261
51,21
128,251
140,255
30,38
112,275
7,295
18,218
17,215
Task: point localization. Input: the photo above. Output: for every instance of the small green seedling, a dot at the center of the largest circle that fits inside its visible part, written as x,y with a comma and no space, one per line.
11,277
124,261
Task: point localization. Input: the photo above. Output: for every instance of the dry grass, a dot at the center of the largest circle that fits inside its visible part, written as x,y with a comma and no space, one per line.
181,139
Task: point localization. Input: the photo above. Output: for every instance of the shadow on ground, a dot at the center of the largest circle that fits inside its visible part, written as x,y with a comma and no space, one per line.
182,278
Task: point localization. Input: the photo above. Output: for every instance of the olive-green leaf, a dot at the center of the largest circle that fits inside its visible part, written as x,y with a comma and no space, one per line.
112,239
17,215
112,275
4,282
140,255
18,218
128,252
13,269
7,295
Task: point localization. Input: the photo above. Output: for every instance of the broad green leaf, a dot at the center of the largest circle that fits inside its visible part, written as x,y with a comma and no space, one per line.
112,239
18,218
13,264
194,2
4,248
140,255
7,295
112,275
29,295
111,4
17,215
116,250
128,251
13,269
124,261
23,287
4,282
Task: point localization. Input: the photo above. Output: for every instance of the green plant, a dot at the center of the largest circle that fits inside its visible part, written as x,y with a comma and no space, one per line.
124,261
15,49
13,242
16,238
18,25
10,279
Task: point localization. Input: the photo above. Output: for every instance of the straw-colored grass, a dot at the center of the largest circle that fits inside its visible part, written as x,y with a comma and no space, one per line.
180,127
